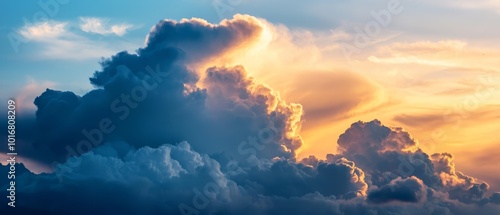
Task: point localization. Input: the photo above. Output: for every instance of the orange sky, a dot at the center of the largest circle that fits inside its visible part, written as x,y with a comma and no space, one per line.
443,91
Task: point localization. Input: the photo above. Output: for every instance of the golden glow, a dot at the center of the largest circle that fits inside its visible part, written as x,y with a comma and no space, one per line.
444,92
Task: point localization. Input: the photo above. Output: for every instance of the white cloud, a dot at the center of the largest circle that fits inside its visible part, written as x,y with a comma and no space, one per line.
44,30
100,26
55,40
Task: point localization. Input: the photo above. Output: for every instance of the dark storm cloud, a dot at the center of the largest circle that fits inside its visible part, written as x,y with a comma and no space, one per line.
341,179
144,181
153,138
495,198
405,190
20,169
150,98
116,179
199,39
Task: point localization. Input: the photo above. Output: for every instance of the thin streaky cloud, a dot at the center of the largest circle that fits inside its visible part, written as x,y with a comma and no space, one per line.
44,30
101,26
492,5
59,40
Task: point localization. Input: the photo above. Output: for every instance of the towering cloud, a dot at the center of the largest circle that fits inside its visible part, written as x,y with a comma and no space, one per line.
157,137
153,97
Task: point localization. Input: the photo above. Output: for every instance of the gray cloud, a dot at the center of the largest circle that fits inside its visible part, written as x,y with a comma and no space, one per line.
405,190
153,138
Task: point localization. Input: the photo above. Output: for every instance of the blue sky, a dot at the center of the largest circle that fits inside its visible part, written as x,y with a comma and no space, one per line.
422,18
419,19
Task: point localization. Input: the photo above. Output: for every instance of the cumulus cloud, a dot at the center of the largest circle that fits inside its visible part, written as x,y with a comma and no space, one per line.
174,178
389,156
155,136
405,190
156,87
341,179
167,175
30,91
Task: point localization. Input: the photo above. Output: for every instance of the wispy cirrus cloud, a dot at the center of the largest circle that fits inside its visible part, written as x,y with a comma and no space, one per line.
493,5
442,53
101,26
44,30
434,53
422,47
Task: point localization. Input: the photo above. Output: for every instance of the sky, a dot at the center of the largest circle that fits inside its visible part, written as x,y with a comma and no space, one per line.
362,85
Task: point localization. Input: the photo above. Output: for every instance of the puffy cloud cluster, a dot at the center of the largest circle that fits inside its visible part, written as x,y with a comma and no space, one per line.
143,181
398,170
116,178
154,97
341,179
458,185
156,137
405,190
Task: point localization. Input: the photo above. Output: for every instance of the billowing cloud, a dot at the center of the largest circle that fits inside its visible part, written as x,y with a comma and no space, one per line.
157,136
388,155
405,190
341,179
30,91
156,87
